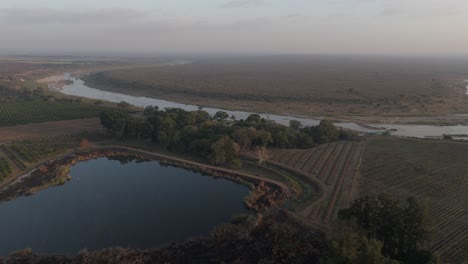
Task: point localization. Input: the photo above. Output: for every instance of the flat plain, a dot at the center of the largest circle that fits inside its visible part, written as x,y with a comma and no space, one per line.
363,86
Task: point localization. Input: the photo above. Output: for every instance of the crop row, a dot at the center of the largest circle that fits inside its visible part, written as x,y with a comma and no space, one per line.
17,113
5,169
33,151
13,158
335,165
432,172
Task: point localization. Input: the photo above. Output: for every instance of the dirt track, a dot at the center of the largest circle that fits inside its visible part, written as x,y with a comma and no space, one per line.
8,134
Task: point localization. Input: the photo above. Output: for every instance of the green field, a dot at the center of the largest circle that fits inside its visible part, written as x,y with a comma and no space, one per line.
20,113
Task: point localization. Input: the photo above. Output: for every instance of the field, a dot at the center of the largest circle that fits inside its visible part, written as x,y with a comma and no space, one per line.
436,173
304,85
333,167
20,156
18,113
49,129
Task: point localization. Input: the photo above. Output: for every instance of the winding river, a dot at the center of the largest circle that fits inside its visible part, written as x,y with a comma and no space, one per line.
78,88
110,203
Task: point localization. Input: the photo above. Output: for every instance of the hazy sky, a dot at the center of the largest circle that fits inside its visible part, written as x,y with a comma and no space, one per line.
280,26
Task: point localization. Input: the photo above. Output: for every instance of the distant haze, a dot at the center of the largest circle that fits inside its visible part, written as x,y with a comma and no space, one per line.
234,26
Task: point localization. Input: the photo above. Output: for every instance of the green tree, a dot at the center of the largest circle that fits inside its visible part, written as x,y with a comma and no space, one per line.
401,227
221,115
224,151
253,118
355,248
326,131
115,122
150,110
294,124
123,105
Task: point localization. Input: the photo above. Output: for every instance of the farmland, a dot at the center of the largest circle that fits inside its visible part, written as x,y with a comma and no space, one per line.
5,168
34,131
333,167
436,173
306,85
22,155
18,113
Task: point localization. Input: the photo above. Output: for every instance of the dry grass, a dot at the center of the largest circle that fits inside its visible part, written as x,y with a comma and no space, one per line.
306,85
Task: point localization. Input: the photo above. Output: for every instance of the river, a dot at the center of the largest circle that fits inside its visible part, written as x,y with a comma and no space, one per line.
78,88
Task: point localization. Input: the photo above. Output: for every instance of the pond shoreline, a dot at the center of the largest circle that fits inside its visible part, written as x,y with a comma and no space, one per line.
265,193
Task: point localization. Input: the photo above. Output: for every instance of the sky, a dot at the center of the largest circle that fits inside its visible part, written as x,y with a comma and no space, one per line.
234,26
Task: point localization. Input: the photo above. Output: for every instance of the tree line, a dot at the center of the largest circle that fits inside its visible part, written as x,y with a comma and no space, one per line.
219,138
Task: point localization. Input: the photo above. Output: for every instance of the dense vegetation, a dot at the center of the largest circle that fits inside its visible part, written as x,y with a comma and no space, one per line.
10,95
216,138
376,229
18,113
21,91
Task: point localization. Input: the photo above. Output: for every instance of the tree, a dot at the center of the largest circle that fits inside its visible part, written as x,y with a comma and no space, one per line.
123,105
401,227
326,131
221,116
150,110
224,151
253,118
347,134
447,137
355,248
115,122
294,124
262,155
84,145
244,136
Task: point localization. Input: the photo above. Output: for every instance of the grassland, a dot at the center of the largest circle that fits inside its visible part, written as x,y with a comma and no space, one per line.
19,113
333,168
306,85
436,173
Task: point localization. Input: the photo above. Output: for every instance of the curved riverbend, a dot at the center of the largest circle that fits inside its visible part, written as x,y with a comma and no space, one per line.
78,88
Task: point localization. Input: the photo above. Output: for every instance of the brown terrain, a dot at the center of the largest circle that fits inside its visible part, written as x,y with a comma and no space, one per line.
334,168
49,129
359,88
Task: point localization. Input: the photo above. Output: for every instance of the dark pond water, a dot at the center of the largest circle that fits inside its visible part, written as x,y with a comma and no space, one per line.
139,204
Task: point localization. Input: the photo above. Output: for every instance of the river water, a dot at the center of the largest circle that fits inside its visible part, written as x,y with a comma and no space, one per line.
108,203
78,88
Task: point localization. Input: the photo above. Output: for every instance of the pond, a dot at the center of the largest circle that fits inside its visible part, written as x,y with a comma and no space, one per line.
108,203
